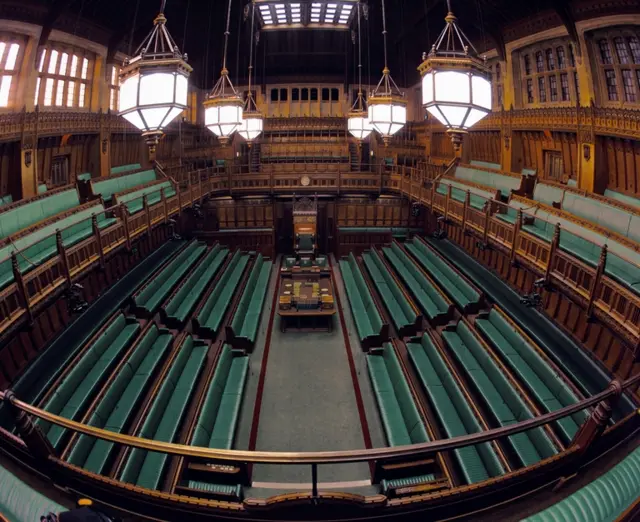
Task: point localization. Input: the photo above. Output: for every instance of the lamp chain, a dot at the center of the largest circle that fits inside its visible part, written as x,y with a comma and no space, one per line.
449,6
226,37
359,54
163,4
251,37
384,33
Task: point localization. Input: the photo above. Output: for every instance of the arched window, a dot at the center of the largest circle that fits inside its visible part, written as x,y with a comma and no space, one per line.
10,59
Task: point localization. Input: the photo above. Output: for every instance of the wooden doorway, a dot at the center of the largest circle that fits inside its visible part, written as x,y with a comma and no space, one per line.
553,165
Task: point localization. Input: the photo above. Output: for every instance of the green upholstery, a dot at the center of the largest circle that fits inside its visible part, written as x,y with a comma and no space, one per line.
247,315
545,385
477,198
120,401
23,216
456,416
42,188
395,231
510,216
504,184
42,373
226,490
402,422
486,164
603,500
501,399
547,194
36,248
125,168
400,310
528,172
85,378
462,293
133,200
108,187
432,303
85,176
406,482
6,200
216,424
145,468
623,198
151,295
182,303
212,313
305,243
368,320
21,503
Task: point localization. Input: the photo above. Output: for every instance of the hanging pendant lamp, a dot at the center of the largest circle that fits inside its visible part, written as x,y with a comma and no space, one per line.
358,119
456,84
154,83
252,122
223,107
387,105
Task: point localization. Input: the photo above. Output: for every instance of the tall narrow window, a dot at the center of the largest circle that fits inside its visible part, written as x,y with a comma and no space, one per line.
553,88
634,45
48,92
605,52
529,90
576,84
114,88
621,50
9,52
70,93
629,87
64,77
551,62
59,92
612,86
572,57
561,60
527,65
539,62
542,92
564,86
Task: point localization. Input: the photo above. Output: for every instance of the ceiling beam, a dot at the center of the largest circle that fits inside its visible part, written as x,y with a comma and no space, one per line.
498,40
55,11
563,8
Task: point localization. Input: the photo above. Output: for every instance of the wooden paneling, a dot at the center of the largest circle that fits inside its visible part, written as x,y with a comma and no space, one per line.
385,212
220,215
620,164
484,146
535,144
10,169
441,146
127,149
77,150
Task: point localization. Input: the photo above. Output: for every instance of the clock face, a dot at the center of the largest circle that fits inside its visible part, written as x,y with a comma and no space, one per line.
305,181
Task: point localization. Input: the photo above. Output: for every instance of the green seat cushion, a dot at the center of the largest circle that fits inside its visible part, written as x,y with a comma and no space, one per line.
234,490
20,503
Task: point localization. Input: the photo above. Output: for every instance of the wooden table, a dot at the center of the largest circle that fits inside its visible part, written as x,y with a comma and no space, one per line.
300,303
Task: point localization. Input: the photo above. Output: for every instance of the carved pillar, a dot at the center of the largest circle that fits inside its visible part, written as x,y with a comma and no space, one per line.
593,427
39,446
104,145
29,154
586,142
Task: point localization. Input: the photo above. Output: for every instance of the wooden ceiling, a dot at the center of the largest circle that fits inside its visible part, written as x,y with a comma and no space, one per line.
306,54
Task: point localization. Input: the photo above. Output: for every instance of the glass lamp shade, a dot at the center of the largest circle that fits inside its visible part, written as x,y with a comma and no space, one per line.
251,126
359,125
150,100
387,114
223,115
457,98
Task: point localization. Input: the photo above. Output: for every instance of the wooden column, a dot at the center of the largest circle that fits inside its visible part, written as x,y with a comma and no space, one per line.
39,446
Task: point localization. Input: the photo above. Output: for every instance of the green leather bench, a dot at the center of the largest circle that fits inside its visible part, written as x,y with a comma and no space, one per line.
431,302
88,374
217,490
401,311
120,401
456,416
505,184
181,304
477,198
400,417
21,503
43,372
486,164
31,212
120,169
548,194
216,424
210,317
112,185
40,246
6,200
399,232
369,323
545,385
502,401
622,198
134,202
603,500
244,326
145,468
510,216
458,289
153,293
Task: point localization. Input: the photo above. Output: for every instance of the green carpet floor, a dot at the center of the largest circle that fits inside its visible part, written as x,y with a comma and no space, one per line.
309,404
561,348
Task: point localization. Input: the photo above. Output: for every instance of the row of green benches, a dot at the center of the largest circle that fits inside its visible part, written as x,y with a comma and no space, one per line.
20,503
372,330
244,327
